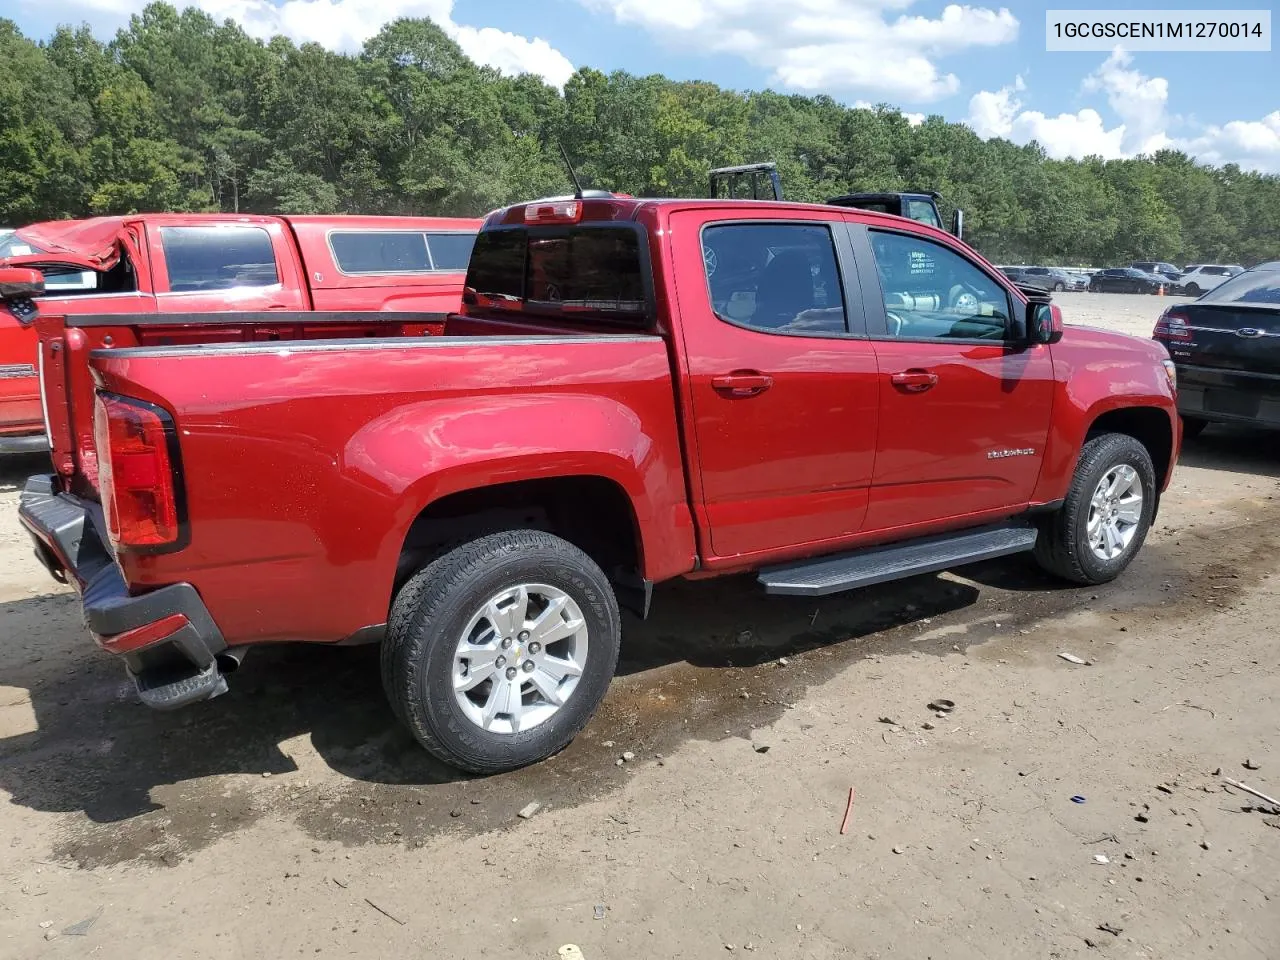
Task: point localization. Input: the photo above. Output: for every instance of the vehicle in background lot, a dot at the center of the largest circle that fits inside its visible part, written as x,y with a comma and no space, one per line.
1058,279
1126,280
1205,276
1159,268
199,263
861,398
765,184
1019,275
1226,346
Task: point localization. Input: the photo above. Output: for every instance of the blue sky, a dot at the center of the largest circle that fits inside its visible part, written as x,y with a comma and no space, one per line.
980,63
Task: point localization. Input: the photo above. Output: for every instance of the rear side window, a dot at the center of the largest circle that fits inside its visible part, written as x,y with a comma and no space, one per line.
218,258
778,278
587,272
359,252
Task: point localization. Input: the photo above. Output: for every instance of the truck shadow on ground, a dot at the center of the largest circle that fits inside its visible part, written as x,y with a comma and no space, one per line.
74,739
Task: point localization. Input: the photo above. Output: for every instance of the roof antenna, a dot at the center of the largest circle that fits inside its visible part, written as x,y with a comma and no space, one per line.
577,187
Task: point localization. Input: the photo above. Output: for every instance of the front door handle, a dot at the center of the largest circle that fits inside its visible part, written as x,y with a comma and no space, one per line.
915,381
742,383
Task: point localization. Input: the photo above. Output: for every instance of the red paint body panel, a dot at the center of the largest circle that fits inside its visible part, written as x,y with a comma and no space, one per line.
303,479
19,382
306,461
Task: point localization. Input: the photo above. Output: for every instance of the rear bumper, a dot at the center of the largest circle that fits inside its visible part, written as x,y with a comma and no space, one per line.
27,443
1228,396
167,637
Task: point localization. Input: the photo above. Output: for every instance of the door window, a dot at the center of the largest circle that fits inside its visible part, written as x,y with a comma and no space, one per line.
923,211
218,258
931,292
776,278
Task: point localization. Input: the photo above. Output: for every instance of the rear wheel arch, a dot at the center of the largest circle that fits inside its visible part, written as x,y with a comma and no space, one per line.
594,513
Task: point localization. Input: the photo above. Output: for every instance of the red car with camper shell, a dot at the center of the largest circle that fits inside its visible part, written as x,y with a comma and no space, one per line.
633,391
202,263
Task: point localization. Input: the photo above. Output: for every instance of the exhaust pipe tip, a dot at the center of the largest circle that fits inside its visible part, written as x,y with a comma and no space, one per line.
229,660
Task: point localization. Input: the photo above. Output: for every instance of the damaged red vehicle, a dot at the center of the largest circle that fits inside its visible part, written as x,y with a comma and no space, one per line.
203,263
633,391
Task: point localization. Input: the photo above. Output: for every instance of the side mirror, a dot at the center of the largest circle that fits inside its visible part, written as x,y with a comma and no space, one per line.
20,283
1044,322
957,224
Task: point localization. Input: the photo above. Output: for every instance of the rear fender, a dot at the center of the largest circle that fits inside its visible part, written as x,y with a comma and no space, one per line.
422,452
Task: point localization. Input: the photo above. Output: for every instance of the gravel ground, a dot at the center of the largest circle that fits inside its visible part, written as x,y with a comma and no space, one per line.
294,817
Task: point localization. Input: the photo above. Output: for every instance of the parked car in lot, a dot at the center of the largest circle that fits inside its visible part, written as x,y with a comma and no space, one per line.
860,398
1205,276
1159,268
202,263
1058,279
1125,280
1226,346
1022,278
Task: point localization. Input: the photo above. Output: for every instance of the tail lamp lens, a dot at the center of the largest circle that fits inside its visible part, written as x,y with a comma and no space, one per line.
135,472
1172,325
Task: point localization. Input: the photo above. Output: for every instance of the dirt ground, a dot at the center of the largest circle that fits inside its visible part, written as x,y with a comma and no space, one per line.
294,817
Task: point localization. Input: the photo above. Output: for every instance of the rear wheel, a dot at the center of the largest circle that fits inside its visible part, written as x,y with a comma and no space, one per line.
1193,290
1192,427
1059,287
1106,514
498,653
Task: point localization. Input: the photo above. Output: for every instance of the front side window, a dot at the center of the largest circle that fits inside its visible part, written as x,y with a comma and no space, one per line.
931,292
777,278
218,258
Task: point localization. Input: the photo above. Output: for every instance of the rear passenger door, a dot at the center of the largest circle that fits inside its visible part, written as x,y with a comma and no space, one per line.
964,400
201,266
780,378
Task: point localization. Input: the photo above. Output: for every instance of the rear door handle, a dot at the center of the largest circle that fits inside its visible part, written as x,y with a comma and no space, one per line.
915,381
742,383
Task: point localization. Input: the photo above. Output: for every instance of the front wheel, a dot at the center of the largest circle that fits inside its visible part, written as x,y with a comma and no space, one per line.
498,653
1193,290
1106,514
1058,287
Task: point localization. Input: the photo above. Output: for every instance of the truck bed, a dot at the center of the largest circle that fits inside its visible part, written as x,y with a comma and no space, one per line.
310,460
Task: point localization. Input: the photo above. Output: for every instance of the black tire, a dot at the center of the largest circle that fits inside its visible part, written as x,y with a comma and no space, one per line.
1193,290
429,615
1058,287
1192,427
1063,545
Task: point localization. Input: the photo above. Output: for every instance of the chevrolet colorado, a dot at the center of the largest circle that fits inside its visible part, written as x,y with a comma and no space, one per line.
633,391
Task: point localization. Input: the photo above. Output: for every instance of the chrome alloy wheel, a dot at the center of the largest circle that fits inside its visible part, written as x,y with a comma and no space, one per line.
1115,512
520,658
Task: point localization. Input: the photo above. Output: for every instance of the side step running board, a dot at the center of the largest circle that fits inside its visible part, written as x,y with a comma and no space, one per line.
862,568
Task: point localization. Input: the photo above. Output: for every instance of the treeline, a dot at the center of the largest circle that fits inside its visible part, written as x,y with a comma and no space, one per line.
179,112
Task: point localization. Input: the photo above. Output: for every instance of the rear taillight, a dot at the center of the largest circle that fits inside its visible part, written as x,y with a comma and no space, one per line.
137,474
1172,325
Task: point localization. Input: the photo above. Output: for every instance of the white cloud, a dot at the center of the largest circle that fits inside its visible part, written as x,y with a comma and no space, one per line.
913,119
1253,144
346,24
816,45
1141,104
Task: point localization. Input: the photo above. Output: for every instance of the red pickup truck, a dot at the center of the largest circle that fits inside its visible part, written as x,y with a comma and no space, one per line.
200,263
633,390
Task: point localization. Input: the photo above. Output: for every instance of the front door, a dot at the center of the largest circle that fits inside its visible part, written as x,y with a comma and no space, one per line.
964,404
780,377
